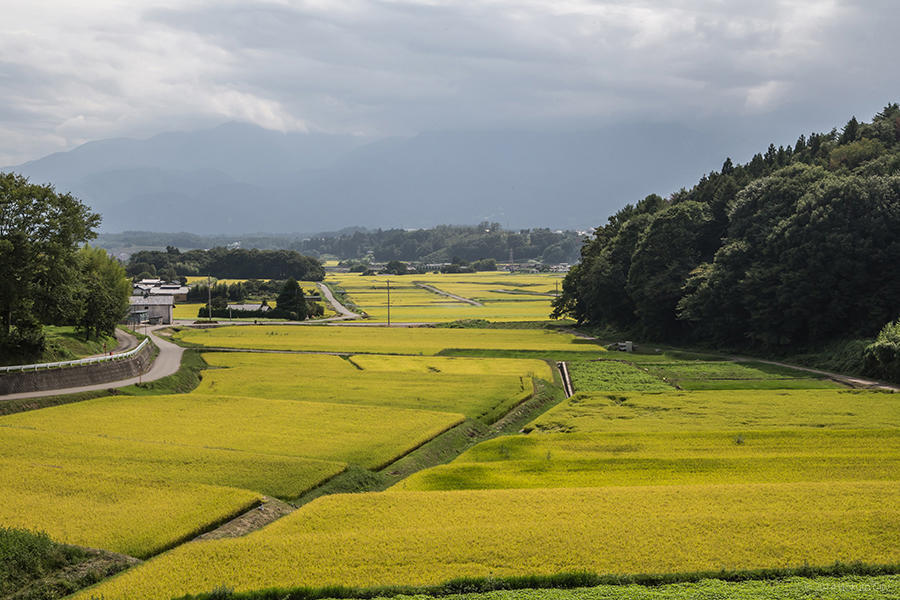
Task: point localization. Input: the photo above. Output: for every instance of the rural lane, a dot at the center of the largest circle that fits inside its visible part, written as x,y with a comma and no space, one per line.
167,362
343,311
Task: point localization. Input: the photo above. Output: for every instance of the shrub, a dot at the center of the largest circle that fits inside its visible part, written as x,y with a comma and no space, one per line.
882,357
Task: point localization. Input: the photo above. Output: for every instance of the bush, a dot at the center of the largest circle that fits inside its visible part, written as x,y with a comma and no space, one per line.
882,357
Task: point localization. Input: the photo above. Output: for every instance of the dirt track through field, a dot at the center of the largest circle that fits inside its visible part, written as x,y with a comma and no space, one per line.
441,292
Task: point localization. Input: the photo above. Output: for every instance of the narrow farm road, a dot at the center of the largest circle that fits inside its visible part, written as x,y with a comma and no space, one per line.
343,311
441,292
852,381
167,362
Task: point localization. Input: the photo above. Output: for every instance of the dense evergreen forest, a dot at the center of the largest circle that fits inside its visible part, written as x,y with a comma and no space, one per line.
799,246
438,244
226,263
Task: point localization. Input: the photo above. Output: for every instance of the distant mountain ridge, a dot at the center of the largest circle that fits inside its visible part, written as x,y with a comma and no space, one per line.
237,177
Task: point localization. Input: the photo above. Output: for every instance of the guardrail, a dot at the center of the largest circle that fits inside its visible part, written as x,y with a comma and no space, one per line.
75,363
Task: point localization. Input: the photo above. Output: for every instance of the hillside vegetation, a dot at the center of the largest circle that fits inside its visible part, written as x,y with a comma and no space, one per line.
797,247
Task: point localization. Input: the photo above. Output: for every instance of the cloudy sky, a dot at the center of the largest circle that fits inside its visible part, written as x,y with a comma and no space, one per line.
71,72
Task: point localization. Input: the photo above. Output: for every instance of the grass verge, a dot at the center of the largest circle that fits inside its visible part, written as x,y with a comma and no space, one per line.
481,585
32,566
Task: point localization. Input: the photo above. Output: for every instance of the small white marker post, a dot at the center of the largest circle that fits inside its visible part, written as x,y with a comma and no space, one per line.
389,302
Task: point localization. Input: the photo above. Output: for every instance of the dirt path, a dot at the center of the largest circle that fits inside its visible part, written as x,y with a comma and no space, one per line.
270,510
854,382
167,362
441,292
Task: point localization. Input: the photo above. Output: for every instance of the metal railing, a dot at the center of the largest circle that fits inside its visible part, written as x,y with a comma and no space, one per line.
75,363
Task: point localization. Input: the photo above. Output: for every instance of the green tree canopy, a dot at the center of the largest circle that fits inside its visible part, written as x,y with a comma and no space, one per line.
40,282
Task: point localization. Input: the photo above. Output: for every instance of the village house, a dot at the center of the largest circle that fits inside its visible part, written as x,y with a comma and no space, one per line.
156,309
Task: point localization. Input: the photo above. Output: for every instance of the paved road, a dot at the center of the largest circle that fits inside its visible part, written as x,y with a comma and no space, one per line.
343,311
167,362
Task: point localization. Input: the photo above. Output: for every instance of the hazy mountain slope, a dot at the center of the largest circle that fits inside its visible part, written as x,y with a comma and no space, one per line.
239,178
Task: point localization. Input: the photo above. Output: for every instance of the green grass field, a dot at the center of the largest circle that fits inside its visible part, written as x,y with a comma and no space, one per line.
482,389
613,376
792,588
417,538
379,340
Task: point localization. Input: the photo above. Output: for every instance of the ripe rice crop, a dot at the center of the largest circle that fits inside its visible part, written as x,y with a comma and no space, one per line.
280,476
132,515
369,436
378,340
418,538
613,376
720,410
411,303
594,460
478,388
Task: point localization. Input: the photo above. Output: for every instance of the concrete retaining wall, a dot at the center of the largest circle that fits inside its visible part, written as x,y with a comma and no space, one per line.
52,379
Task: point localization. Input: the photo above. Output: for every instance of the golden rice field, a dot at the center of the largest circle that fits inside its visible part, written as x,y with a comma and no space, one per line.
505,296
381,340
133,515
482,389
365,435
274,475
632,412
633,459
409,538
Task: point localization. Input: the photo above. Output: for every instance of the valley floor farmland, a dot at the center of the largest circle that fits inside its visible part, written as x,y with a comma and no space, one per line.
630,475
762,467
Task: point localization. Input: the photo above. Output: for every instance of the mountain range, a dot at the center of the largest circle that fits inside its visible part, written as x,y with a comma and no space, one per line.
239,178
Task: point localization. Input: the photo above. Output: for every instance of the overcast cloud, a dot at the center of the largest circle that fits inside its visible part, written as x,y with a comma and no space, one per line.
74,72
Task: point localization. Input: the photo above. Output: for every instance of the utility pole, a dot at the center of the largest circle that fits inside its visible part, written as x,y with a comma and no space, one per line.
389,302
209,297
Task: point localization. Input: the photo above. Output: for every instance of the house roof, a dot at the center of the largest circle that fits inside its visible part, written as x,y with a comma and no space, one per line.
155,300
249,306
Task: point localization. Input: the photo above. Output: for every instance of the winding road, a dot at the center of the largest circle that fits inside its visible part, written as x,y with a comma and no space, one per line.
167,362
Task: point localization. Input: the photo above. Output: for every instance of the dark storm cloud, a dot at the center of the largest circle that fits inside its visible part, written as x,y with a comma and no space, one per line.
389,68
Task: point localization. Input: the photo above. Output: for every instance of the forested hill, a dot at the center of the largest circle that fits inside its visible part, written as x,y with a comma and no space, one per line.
797,246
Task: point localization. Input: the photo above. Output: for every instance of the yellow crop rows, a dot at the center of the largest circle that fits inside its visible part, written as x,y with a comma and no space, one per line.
409,538
478,388
596,460
380,340
364,435
721,410
88,453
505,296
127,514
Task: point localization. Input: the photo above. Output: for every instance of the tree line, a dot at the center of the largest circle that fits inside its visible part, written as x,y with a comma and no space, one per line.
225,263
798,246
48,275
290,304
435,245
443,243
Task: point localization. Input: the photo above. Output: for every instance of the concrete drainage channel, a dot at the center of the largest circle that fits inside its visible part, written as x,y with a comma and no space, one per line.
567,382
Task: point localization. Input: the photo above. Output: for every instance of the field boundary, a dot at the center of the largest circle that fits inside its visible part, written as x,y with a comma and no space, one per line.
441,292
570,580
